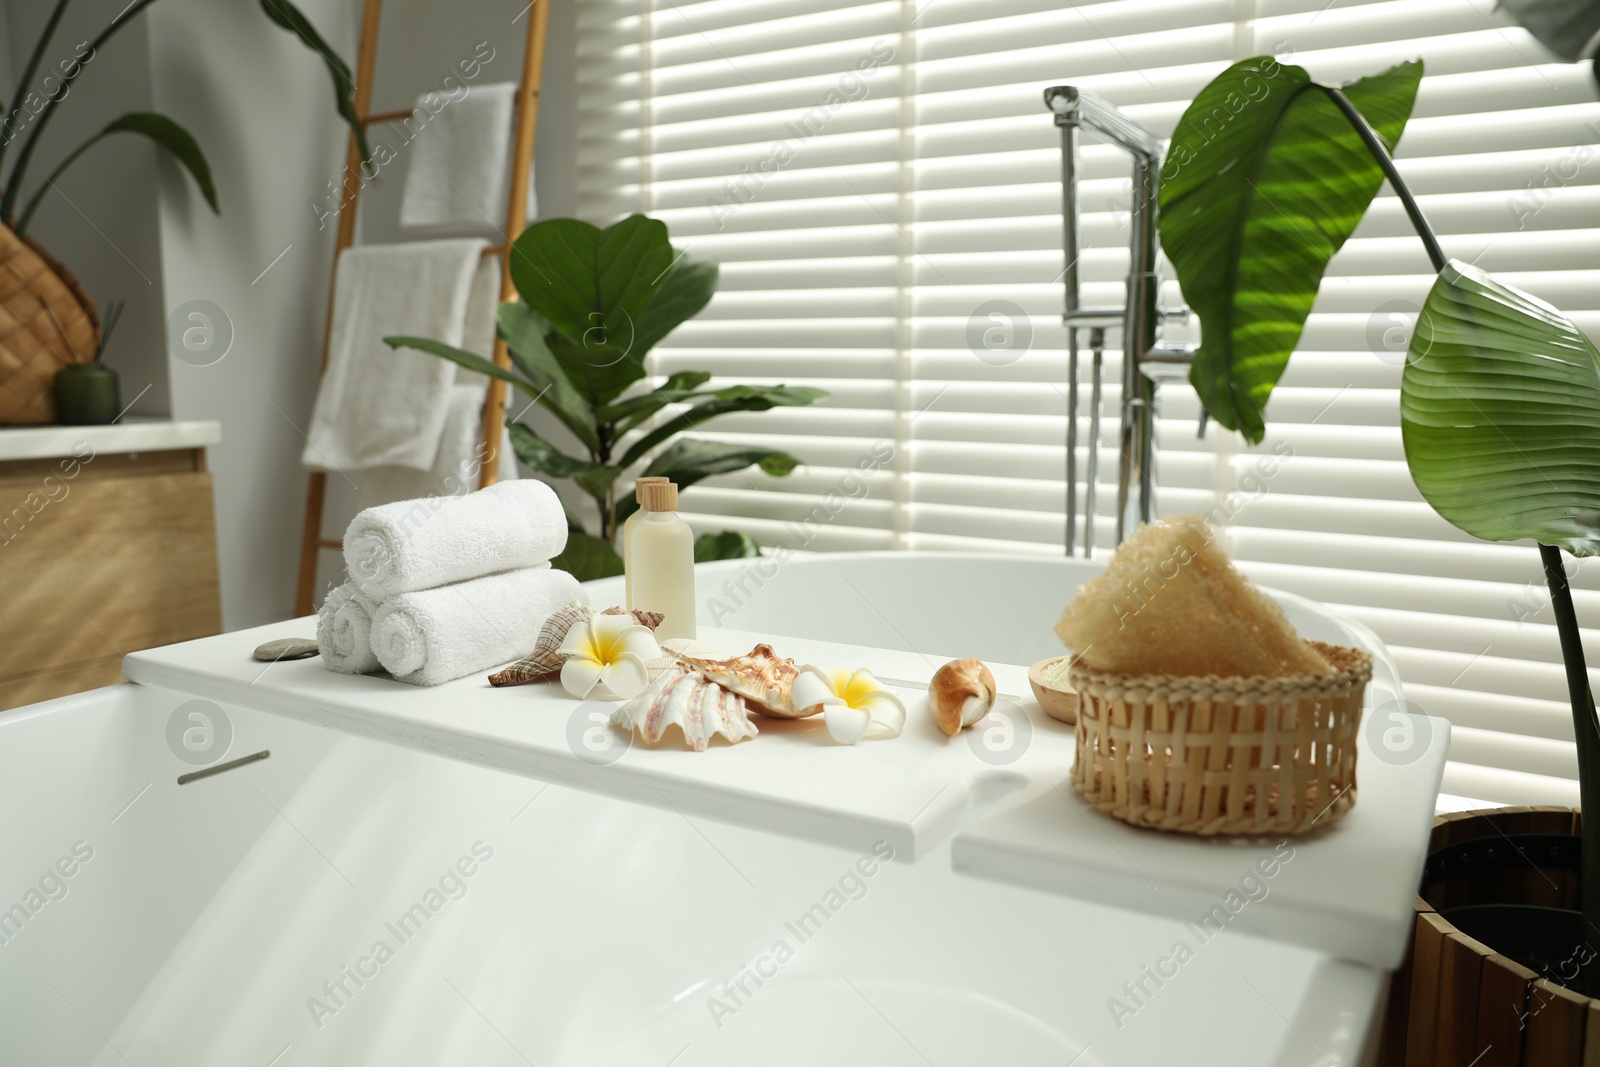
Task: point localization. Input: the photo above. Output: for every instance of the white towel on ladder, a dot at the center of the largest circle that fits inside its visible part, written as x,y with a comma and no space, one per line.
458,172
379,406
456,468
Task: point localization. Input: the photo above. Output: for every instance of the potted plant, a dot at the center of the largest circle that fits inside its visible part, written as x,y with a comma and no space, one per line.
594,303
1268,175
56,322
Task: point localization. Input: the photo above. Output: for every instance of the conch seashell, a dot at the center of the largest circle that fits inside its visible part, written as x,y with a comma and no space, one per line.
687,699
760,677
544,663
961,693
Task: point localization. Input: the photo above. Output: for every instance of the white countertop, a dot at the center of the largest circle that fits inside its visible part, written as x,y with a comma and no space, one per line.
133,434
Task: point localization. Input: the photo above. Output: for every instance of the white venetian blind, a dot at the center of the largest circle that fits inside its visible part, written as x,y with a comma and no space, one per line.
872,175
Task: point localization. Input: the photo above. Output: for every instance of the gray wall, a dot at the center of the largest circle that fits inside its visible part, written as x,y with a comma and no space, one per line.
133,227
101,222
261,105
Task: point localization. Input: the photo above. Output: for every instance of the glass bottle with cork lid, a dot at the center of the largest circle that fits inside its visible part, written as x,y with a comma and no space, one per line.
660,561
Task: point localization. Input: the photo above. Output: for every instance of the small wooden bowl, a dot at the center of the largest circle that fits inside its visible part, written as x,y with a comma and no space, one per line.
1060,702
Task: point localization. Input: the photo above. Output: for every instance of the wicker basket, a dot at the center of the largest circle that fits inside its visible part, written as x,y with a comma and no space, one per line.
1222,755
47,322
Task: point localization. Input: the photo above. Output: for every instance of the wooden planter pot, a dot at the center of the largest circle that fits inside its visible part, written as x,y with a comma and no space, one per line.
1458,1001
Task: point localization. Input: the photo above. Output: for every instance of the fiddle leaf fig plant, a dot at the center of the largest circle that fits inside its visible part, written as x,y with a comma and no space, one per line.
594,303
1500,393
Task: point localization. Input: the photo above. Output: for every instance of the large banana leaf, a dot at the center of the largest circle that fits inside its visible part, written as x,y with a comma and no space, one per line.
593,285
163,131
1264,181
1500,414
290,18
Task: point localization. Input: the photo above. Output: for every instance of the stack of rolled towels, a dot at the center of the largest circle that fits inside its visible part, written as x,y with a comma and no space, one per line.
443,587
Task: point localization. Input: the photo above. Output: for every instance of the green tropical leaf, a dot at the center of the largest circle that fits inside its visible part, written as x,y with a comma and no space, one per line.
593,285
587,558
684,293
1264,181
723,402
1500,414
289,17
524,332
691,459
729,544
545,457
623,415
470,360
163,131
601,374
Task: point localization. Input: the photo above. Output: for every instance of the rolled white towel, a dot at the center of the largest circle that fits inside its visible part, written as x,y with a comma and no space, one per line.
433,541
434,635
344,631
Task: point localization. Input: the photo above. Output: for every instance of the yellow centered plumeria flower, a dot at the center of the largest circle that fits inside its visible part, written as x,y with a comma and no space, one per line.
606,657
854,706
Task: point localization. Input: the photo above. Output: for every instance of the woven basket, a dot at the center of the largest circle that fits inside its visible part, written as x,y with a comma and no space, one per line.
1222,755
47,322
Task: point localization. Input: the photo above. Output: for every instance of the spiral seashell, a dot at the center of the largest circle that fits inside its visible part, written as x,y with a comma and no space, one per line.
961,693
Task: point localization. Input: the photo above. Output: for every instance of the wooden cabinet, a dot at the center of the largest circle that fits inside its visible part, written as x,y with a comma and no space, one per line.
107,546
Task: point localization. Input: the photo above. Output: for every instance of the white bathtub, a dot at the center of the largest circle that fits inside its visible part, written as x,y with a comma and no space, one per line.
237,919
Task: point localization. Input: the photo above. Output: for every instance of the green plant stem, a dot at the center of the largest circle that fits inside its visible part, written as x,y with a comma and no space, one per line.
1585,728
8,206
1380,153
1587,734
32,68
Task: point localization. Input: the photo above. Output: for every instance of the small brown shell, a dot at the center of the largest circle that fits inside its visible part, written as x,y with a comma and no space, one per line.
961,693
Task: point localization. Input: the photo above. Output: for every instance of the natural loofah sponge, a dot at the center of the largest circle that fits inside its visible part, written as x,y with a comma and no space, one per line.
1172,602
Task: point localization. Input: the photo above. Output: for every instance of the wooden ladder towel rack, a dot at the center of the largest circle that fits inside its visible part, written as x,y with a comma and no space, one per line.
312,541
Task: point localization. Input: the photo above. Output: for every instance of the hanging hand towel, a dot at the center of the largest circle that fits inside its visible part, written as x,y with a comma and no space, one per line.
456,468
344,631
483,313
459,172
379,406
418,544
435,635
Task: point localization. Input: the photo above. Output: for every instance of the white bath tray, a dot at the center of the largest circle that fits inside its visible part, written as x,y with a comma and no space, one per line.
1347,891
912,792
1002,794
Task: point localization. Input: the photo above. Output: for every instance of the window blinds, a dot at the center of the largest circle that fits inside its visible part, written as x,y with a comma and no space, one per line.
880,182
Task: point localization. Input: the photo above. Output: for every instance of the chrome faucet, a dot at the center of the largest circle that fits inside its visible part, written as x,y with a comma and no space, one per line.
1146,361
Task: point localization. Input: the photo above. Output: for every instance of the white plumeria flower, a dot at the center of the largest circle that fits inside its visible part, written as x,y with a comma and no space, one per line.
606,657
854,706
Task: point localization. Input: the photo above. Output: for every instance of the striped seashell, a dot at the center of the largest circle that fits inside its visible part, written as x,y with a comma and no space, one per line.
697,706
760,677
544,662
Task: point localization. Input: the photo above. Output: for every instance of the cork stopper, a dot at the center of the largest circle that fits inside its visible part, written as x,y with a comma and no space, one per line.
657,494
